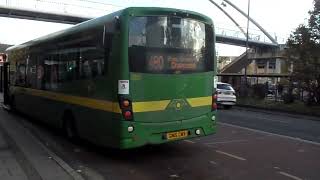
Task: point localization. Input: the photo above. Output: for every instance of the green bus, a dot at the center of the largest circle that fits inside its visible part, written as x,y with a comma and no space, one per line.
141,75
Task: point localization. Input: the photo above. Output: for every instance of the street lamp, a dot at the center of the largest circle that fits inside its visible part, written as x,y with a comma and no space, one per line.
247,46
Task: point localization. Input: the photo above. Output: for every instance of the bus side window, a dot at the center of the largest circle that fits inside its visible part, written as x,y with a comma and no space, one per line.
107,51
68,65
95,54
40,72
21,74
20,67
86,70
31,71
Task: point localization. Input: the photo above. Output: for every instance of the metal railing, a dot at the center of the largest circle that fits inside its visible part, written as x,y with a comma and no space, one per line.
238,34
91,9
75,7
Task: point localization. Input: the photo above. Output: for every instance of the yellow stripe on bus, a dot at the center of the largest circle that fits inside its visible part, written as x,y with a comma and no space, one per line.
82,101
150,106
200,101
162,105
109,106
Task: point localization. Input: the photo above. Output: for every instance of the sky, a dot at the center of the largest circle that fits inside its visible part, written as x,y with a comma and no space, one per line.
278,17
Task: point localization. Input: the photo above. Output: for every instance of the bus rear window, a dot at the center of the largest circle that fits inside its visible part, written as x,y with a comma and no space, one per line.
170,45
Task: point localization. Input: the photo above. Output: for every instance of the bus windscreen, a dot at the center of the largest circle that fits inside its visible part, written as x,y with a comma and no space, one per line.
170,45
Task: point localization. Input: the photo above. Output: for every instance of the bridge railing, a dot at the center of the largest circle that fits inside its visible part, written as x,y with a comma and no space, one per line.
91,8
74,7
238,34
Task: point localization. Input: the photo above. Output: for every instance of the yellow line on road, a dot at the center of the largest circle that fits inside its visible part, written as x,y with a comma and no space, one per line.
290,175
231,155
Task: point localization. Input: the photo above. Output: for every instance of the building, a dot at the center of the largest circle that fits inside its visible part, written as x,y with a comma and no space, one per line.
3,47
260,66
223,61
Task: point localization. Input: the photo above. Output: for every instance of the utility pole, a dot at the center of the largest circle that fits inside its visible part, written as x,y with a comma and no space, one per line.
247,47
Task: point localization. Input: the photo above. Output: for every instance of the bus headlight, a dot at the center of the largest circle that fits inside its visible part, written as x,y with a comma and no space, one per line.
213,118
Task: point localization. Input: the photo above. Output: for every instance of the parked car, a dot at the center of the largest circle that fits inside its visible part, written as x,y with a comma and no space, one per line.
226,95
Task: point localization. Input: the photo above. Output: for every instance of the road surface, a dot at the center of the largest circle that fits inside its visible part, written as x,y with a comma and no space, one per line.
248,145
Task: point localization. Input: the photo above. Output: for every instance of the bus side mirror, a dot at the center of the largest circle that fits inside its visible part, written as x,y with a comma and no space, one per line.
117,22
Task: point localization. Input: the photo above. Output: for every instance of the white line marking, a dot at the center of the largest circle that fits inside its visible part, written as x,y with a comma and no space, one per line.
214,163
225,142
274,120
268,133
189,141
231,155
290,175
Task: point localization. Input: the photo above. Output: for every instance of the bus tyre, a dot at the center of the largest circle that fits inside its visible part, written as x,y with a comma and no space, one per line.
70,128
227,106
12,104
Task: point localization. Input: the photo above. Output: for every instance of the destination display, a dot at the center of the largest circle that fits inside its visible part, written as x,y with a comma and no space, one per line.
173,63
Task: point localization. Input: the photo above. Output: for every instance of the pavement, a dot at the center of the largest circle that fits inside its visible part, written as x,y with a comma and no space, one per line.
24,157
275,110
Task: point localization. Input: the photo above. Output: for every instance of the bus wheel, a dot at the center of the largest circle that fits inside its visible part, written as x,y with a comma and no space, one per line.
69,127
12,104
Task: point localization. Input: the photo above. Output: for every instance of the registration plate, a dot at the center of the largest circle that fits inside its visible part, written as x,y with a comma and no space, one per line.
177,135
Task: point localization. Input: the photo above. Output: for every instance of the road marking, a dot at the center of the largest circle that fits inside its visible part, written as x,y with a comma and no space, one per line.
189,141
290,175
214,163
231,155
225,142
174,176
269,133
274,120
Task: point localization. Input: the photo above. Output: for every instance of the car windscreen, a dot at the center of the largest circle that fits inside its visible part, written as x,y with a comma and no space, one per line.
170,45
224,86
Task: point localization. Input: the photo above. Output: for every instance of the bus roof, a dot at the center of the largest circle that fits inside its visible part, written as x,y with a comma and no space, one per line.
132,11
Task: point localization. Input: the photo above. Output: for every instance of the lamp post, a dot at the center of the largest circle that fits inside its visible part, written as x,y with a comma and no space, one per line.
247,47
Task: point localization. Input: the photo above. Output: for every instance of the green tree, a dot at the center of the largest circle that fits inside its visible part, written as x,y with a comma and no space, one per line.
314,22
304,51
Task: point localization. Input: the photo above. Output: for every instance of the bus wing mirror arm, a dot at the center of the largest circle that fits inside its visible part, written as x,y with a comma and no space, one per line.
117,22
